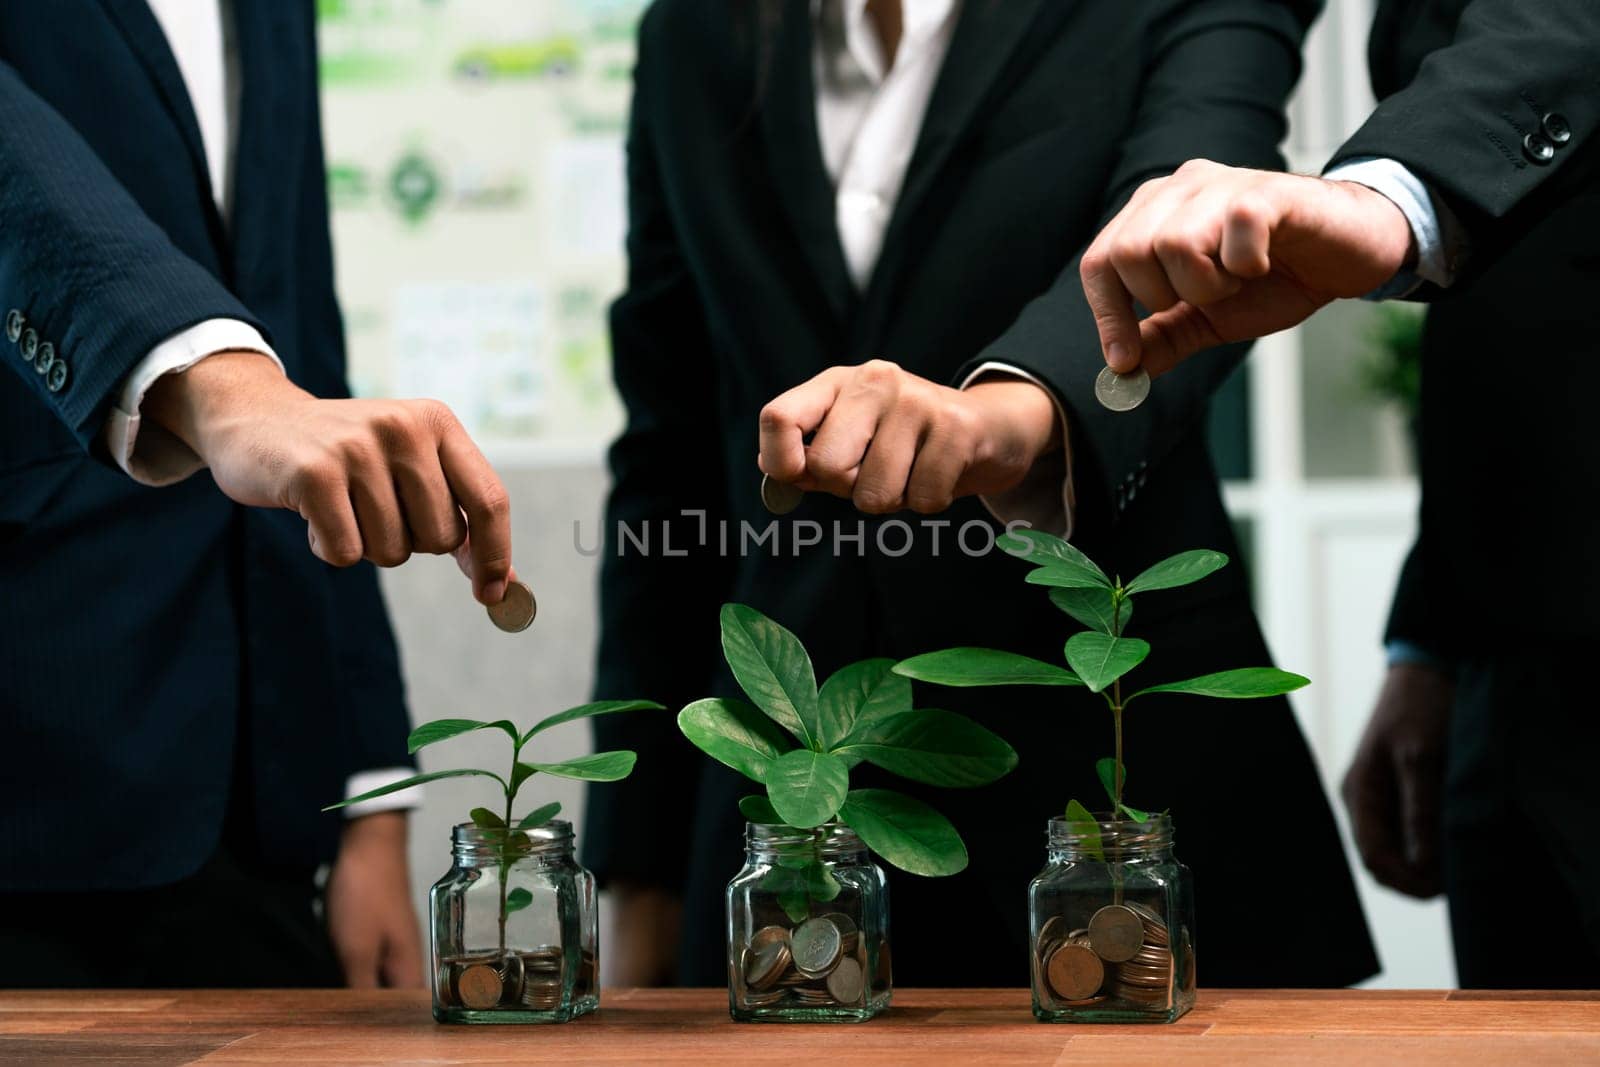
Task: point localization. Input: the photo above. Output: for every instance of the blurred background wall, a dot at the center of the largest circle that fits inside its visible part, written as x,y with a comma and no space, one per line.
475,167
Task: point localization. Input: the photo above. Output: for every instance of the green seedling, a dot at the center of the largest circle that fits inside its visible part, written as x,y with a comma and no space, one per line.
801,743
514,841
1101,656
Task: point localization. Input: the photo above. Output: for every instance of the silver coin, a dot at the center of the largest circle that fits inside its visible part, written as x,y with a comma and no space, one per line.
1121,392
515,612
780,498
816,945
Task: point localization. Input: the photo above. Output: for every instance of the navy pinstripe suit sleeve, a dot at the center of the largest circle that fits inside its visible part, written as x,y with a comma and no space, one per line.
94,276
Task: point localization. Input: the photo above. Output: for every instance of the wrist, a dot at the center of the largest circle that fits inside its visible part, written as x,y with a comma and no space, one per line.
1393,242
384,827
1020,417
197,404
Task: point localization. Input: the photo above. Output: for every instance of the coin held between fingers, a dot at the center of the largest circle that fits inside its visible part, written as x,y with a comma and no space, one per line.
1121,392
516,609
780,498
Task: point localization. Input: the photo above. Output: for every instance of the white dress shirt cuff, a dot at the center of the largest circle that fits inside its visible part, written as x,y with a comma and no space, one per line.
150,454
367,781
1044,499
1442,245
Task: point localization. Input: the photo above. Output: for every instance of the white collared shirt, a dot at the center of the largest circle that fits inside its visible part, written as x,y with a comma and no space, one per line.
200,34
869,114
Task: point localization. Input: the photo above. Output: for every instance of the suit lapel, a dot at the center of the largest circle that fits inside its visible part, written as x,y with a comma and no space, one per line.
987,38
794,153
987,34
144,35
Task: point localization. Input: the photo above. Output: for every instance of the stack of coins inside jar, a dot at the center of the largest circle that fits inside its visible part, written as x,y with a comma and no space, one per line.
1123,957
820,963
528,980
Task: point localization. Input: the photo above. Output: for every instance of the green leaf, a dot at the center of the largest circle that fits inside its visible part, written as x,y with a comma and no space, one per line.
539,816
806,788
858,693
821,885
932,746
587,711
520,773
1181,569
1106,769
759,810
1101,659
416,779
599,767
773,669
789,886
1086,826
904,831
1062,578
443,729
485,819
1052,553
518,899
1094,608
1135,814
1246,683
734,734
983,666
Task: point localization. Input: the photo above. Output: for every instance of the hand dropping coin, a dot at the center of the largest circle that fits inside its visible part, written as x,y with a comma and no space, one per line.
780,498
516,609
1121,392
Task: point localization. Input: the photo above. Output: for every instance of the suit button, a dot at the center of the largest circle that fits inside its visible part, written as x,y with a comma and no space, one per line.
56,380
29,346
1557,128
1537,147
13,325
45,359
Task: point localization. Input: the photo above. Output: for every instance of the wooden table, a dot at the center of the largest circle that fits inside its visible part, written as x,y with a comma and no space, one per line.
981,1028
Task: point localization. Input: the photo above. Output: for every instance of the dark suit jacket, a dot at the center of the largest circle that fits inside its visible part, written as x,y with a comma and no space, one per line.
1509,457
1045,117
164,645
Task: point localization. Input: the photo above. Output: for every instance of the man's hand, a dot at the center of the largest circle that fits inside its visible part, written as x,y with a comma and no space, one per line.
1394,787
645,926
368,900
887,439
378,479
1219,254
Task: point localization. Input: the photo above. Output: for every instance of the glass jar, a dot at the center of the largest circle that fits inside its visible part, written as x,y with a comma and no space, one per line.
515,931
1111,921
808,928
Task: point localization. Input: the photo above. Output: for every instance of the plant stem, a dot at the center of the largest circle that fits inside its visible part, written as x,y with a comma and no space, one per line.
1116,720
1116,704
505,841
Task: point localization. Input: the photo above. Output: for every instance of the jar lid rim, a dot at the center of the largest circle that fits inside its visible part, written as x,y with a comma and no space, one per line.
556,830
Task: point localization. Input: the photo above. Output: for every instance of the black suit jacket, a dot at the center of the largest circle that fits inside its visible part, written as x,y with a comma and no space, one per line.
1046,115
164,646
1510,461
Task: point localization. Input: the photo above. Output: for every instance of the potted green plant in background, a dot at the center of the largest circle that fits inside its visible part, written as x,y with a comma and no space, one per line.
1110,916
808,915
514,923
1391,371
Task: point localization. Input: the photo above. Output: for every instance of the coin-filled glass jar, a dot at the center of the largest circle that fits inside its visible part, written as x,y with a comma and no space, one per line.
515,933
1111,918
808,928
